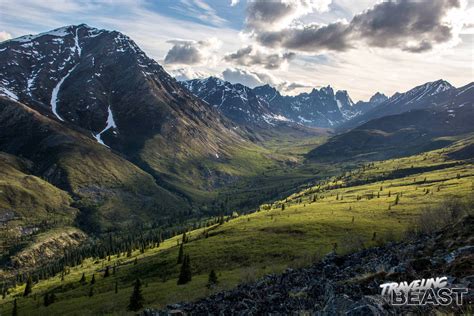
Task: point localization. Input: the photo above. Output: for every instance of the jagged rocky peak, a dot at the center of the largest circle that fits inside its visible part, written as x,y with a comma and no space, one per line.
325,90
266,92
378,98
343,97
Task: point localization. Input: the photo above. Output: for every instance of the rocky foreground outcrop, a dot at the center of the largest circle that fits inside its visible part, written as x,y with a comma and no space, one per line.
350,284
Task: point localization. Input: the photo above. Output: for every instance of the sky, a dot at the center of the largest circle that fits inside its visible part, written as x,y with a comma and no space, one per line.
363,46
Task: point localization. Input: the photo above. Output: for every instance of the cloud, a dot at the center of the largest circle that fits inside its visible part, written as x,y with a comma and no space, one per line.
264,14
234,2
187,73
414,26
199,9
250,56
309,38
191,52
4,36
293,86
248,78
254,79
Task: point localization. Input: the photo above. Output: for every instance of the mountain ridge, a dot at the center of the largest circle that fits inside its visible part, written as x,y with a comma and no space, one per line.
265,105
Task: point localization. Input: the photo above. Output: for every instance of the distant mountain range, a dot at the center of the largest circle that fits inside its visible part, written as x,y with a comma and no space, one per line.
264,105
424,118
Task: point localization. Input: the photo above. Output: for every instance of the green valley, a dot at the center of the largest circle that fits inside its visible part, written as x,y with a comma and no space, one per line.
367,206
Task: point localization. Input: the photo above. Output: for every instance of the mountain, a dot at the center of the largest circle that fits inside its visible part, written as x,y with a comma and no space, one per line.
96,136
375,100
420,97
434,112
102,83
264,106
235,101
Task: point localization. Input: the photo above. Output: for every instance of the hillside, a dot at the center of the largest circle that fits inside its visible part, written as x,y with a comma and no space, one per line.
426,126
427,95
102,84
376,203
349,284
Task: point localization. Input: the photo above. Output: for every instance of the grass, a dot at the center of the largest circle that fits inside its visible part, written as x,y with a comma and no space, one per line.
347,213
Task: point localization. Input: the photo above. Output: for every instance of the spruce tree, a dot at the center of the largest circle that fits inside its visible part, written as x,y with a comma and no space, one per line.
136,299
28,287
106,273
185,272
212,280
15,308
83,278
180,254
46,299
93,279
52,298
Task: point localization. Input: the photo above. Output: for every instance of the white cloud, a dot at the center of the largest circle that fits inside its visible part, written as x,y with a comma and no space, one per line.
4,36
187,73
201,10
247,78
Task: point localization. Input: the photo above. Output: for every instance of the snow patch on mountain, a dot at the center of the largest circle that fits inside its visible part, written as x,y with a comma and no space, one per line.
60,32
109,124
54,95
9,94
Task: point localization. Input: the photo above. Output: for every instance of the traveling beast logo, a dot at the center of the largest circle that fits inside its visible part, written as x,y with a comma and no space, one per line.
432,291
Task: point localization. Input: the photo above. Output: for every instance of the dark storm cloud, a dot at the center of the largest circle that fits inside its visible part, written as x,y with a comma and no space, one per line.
414,26
308,38
261,13
248,56
410,25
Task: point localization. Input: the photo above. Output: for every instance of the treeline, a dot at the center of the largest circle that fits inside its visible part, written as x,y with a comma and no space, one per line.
112,244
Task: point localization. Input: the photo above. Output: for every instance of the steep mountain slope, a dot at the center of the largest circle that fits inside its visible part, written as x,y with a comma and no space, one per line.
441,114
116,82
102,82
424,96
115,191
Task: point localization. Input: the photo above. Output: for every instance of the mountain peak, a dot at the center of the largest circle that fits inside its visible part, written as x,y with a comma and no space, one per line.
378,98
59,32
